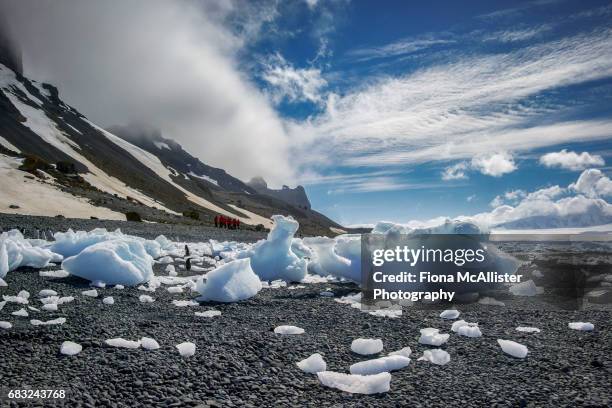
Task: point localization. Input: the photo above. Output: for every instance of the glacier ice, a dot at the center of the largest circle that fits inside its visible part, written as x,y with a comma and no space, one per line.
90,293
450,314
145,299
109,300
526,329
406,352
435,356
581,326
70,348
513,348
123,262
273,258
380,365
59,320
312,364
286,329
231,282
148,343
186,349
208,313
366,346
5,325
470,330
356,384
16,251
433,337
325,261
122,343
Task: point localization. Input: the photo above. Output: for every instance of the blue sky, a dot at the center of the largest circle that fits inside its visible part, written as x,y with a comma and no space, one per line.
389,110
423,87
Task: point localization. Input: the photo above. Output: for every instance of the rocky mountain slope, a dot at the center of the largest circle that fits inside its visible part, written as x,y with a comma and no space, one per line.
133,171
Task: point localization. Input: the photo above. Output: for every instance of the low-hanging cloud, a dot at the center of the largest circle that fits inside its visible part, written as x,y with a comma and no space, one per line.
171,65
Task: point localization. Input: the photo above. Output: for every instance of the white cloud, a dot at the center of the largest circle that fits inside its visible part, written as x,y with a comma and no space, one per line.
293,84
514,195
593,183
312,3
495,165
463,108
571,160
402,47
455,172
172,65
509,36
471,198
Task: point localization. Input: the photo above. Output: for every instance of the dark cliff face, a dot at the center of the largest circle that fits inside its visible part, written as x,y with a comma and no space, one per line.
294,196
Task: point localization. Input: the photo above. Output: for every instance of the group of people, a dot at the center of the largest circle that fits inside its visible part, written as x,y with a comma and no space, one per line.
221,221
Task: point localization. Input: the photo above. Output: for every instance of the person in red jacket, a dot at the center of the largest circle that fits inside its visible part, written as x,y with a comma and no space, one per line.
238,224
222,221
216,221
235,223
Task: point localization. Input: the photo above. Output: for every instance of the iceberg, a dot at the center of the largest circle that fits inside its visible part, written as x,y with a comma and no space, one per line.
231,282
118,262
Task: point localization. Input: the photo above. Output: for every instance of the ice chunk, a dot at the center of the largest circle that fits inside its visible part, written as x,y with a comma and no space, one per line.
326,293
436,356
186,349
171,270
165,260
208,313
326,261
513,348
97,284
175,289
21,312
581,326
15,299
288,330
47,292
122,262
5,325
109,300
2,304
184,303
273,258
3,283
60,273
90,293
356,384
456,325
119,287
32,308
16,251
366,346
4,263
406,352
120,342
527,288
50,307
70,348
470,330
433,337
525,329
380,365
59,320
450,314
490,301
231,282
146,299
148,343
312,364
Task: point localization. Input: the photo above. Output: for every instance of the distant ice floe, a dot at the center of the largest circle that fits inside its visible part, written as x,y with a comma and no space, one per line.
231,282
186,349
581,326
70,348
313,364
433,337
380,365
436,356
525,329
356,384
273,258
286,329
366,346
450,314
513,348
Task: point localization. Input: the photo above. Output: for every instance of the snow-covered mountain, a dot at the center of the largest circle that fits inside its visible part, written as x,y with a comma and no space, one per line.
121,170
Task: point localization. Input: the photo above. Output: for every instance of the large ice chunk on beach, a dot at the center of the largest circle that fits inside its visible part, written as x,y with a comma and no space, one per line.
436,356
273,258
231,282
16,251
380,365
357,384
312,364
433,337
123,262
366,346
513,348
325,261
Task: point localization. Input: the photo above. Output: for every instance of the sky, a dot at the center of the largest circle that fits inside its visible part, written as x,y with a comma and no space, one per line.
384,111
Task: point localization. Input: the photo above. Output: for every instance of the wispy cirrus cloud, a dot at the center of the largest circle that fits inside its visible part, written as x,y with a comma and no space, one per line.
465,107
398,48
